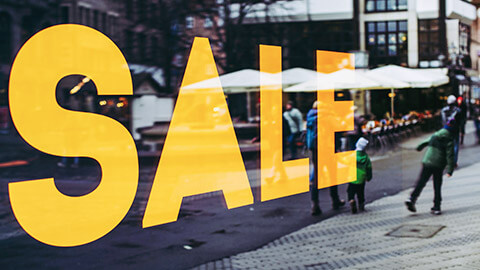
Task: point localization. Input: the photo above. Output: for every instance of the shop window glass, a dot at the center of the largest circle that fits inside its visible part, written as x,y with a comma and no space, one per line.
392,39
402,37
392,50
381,39
381,27
385,5
380,5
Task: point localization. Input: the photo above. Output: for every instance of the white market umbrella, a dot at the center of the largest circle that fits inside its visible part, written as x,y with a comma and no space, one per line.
242,81
438,75
416,78
386,81
297,75
339,80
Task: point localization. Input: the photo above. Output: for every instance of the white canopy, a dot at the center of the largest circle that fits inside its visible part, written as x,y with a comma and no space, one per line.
342,79
386,81
242,81
298,75
416,78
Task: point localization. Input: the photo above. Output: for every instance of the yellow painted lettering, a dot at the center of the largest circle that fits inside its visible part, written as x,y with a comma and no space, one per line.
44,212
201,152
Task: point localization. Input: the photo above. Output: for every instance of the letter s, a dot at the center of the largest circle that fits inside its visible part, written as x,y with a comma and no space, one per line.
45,213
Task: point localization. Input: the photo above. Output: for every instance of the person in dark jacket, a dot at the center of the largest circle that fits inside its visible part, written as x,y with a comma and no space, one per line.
462,119
311,142
364,173
449,112
295,120
476,118
439,154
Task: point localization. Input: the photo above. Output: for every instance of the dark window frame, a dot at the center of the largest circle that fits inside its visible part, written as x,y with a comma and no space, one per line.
376,10
374,49
6,38
426,34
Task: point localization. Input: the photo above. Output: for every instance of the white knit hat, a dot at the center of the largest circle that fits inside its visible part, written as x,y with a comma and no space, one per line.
451,99
361,144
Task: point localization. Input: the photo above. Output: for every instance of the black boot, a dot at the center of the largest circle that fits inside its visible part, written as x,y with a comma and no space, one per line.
316,211
338,204
436,210
353,206
411,205
361,207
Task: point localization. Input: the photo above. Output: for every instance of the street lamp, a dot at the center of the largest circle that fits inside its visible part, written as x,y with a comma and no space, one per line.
392,95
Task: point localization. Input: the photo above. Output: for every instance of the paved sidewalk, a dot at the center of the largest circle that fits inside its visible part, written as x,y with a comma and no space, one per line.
360,241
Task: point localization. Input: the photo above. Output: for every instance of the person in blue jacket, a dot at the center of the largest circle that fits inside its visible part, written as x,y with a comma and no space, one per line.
311,142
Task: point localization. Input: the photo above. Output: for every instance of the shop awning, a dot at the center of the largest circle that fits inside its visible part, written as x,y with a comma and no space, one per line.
339,80
297,75
242,81
416,78
386,81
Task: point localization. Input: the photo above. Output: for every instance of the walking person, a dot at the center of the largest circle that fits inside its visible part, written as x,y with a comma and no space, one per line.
311,142
285,133
439,154
295,120
462,119
452,111
364,174
476,118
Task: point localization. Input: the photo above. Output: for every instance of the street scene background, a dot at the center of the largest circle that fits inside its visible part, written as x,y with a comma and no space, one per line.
407,61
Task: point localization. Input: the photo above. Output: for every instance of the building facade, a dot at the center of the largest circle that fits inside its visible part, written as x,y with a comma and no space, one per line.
18,21
410,33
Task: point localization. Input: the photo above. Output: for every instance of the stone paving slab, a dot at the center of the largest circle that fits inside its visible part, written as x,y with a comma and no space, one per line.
360,241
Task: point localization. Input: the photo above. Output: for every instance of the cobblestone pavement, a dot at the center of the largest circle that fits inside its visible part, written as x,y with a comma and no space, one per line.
360,241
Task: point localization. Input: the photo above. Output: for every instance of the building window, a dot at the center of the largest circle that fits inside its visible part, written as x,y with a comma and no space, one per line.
112,22
95,19
464,45
208,23
385,5
428,40
65,14
322,35
189,22
104,22
87,17
387,42
129,9
80,18
142,47
5,37
129,44
464,39
142,10
154,50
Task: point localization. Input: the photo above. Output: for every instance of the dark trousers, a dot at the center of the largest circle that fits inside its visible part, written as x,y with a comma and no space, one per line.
292,138
314,182
456,148
422,181
356,189
477,128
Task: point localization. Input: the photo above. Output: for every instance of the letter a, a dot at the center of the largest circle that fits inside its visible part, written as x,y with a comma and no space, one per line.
201,152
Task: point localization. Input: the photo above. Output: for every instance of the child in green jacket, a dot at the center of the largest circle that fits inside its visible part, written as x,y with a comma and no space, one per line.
364,173
440,154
